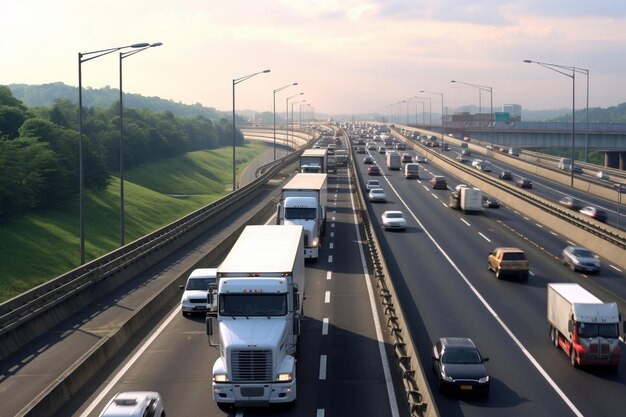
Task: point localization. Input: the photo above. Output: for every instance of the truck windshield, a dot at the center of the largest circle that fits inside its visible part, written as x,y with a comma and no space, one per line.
199,283
253,305
300,213
609,330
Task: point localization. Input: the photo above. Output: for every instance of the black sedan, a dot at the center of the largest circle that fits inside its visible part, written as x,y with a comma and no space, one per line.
490,202
506,175
524,183
459,366
368,160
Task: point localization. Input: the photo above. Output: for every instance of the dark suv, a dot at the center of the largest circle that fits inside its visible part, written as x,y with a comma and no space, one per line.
439,181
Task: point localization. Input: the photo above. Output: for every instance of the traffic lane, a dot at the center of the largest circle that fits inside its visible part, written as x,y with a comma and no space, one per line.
520,305
437,303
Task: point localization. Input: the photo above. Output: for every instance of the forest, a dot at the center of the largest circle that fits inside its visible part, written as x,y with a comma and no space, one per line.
39,147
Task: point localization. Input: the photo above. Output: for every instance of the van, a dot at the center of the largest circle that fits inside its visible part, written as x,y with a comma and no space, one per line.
514,151
565,163
411,170
195,298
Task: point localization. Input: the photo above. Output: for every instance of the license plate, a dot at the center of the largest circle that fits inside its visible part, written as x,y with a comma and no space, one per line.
199,308
466,387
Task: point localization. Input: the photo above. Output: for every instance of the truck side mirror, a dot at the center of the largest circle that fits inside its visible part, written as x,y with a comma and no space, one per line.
624,327
570,326
209,297
296,299
209,331
278,213
296,325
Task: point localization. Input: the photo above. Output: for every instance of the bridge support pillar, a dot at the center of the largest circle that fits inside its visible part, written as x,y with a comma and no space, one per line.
613,159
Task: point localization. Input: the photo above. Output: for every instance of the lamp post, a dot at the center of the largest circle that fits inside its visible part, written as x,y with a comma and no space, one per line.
561,70
235,82
287,113
84,57
274,111
293,143
442,128
122,56
430,109
480,89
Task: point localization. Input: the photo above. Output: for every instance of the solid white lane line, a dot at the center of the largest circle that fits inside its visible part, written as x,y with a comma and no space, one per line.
330,259
391,394
464,221
325,326
332,234
130,363
322,367
331,245
484,237
488,307
327,297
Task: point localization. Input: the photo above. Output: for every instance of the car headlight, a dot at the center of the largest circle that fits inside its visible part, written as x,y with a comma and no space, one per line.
483,380
220,377
285,377
185,299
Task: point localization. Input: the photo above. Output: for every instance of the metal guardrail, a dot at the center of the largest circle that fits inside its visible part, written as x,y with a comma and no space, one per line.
22,308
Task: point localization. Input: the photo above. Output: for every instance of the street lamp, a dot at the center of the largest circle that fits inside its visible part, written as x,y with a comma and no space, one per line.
442,128
482,88
287,113
235,82
122,56
430,109
81,181
274,110
293,143
558,68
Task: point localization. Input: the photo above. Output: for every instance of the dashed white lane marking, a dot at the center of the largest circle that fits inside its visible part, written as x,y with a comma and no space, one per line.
327,297
553,234
329,275
484,237
331,245
425,187
335,196
319,412
332,225
570,242
332,218
330,259
433,194
526,218
322,367
443,204
325,326
615,268
531,273
538,225
464,221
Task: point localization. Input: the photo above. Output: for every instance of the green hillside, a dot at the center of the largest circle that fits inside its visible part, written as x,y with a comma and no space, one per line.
40,246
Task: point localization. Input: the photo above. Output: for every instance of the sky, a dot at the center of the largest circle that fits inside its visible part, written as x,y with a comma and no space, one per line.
347,56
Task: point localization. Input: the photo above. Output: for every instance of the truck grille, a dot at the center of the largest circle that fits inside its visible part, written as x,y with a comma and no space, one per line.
251,365
306,240
600,350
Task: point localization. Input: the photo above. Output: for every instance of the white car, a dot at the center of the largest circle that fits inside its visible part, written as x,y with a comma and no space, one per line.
371,184
580,259
378,195
393,219
195,298
602,175
420,159
135,404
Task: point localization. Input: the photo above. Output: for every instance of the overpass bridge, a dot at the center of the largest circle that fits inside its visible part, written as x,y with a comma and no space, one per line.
609,138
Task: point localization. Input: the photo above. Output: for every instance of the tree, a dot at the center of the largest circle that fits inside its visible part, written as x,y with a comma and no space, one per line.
11,118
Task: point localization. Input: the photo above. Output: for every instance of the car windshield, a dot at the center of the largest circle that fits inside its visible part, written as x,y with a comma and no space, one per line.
461,356
583,253
394,215
598,330
201,284
253,304
377,191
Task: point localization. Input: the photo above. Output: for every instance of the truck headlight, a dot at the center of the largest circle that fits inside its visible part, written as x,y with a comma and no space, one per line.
316,242
285,377
220,377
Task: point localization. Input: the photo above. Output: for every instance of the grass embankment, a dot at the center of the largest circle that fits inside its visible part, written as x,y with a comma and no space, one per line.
38,247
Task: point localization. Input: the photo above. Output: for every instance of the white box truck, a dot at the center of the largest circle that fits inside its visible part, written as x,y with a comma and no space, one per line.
314,161
411,170
260,293
586,328
303,202
394,161
466,199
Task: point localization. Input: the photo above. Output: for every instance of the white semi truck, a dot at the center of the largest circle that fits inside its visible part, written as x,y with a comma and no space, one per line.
260,294
303,202
586,328
467,199
314,161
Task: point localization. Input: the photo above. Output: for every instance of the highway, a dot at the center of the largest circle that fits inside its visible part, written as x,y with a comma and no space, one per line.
439,268
342,369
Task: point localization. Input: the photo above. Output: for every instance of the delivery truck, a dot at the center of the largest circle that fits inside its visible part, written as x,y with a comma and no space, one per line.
260,294
466,199
586,328
314,161
303,202
394,161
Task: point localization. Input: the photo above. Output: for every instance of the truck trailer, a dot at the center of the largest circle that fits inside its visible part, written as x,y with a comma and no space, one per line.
586,328
314,161
394,161
260,294
303,202
466,199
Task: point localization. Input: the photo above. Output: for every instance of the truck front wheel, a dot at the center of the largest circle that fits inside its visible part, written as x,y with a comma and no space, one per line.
554,336
572,358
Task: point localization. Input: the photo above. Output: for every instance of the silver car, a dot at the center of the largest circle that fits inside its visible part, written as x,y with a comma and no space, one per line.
393,219
580,259
377,195
135,404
